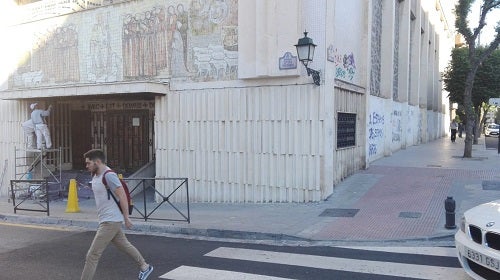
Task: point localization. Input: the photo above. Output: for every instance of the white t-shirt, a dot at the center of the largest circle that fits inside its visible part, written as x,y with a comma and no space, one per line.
107,210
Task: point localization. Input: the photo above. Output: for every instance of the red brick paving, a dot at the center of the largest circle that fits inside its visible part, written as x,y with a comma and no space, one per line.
401,189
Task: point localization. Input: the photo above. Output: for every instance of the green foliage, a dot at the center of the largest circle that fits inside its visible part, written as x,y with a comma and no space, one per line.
486,81
462,9
475,59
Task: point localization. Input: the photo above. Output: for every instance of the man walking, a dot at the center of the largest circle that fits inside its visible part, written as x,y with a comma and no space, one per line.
41,129
453,127
110,217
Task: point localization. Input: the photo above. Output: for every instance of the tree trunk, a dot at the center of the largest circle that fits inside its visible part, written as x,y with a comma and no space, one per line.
482,120
477,125
469,114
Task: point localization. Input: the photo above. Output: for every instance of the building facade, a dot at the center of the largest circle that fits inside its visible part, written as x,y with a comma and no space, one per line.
212,90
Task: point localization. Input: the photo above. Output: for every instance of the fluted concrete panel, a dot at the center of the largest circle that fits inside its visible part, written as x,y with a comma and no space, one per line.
260,144
12,114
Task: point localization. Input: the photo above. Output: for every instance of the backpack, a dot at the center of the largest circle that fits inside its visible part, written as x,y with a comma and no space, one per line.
125,188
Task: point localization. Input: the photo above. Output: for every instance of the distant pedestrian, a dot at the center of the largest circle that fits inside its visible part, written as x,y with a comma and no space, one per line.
110,217
41,128
461,128
454,128
29,133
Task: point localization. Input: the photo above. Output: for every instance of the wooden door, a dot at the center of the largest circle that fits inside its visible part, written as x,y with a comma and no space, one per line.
81,138
127,140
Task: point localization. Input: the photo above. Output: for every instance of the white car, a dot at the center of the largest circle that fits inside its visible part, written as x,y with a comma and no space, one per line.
478,241
491,129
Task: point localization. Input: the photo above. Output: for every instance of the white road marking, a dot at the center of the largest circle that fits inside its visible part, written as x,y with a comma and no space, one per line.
198,273
428,251
343,264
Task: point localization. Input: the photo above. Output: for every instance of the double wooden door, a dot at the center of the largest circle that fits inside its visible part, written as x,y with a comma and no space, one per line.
128,139
126,136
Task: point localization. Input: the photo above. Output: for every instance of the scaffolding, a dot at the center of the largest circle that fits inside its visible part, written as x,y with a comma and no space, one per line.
40,164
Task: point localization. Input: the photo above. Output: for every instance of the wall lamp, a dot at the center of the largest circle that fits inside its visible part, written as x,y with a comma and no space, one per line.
305,51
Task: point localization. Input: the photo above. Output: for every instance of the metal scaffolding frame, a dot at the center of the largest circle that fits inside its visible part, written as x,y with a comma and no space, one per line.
47,161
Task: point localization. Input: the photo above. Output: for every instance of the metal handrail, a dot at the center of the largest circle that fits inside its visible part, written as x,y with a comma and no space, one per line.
145,184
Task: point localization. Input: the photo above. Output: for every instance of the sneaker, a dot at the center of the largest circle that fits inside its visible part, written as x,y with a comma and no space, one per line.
143,275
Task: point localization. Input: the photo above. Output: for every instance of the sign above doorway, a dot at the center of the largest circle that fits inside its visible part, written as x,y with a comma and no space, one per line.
102,106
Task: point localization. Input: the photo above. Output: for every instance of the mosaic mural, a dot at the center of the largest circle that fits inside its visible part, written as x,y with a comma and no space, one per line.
191,41
197,42
103,63
54,58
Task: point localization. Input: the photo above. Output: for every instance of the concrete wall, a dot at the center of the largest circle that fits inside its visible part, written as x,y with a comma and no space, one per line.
348,49
255,144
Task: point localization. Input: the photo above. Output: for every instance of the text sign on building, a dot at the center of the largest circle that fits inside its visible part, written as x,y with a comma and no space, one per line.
119,105
288,61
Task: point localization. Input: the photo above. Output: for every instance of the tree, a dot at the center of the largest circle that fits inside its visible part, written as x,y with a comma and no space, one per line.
462,9
486,83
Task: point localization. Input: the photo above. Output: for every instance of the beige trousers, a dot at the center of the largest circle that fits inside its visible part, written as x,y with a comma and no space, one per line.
108,232
42,132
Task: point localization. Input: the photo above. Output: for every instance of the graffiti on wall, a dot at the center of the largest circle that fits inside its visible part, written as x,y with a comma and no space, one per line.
376,123
345,65
397,129
53,58
420,131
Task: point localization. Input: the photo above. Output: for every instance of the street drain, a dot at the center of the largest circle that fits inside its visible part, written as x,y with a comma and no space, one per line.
339,212
491,185
411,215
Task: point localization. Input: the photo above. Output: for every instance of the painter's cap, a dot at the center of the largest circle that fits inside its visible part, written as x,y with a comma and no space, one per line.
32,106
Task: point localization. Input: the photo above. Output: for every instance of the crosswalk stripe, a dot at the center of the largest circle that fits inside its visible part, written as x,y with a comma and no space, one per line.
428,251
343,264
197,273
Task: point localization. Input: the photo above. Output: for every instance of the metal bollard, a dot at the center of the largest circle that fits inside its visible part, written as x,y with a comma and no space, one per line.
499,143
449,206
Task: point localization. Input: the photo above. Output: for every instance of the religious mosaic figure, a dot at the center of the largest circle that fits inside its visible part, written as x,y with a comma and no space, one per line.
182,17
103,63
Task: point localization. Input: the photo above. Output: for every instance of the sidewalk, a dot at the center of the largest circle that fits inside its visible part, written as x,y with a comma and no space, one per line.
398,198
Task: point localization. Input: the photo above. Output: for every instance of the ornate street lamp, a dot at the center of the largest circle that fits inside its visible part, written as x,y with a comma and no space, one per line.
305,51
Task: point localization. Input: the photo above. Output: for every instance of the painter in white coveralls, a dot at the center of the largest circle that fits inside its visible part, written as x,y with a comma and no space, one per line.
29,133
41,128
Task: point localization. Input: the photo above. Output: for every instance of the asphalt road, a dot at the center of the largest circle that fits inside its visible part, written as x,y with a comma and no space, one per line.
45,253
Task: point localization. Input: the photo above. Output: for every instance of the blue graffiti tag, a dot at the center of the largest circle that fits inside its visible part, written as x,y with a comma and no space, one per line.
372,149
375,118
375,133
396,137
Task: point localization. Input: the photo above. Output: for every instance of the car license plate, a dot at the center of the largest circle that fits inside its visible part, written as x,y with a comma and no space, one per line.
479,258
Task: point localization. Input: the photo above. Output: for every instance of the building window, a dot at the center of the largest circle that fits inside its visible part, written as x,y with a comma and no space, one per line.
346,130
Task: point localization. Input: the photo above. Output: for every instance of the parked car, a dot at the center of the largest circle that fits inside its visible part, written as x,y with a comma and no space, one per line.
491,129
478,241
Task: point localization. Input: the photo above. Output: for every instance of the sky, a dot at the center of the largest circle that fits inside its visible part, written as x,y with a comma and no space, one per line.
488,33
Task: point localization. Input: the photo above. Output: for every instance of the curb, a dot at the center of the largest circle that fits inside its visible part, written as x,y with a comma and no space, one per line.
143,227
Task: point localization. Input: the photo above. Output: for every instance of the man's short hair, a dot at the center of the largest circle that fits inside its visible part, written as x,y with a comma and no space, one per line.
95,154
